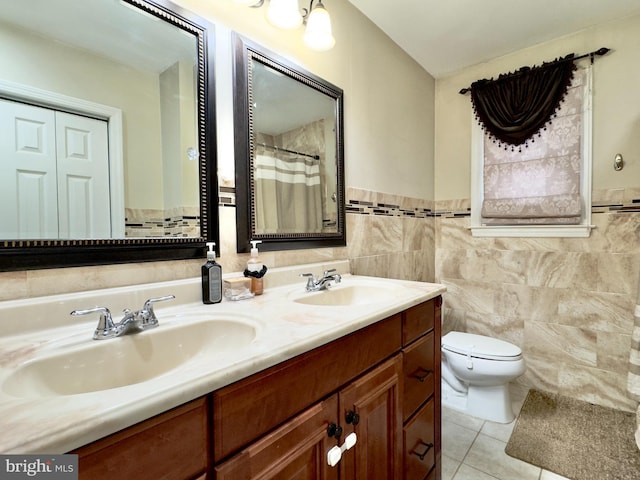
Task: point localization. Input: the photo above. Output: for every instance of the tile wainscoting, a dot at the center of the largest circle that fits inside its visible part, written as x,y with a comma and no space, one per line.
567,302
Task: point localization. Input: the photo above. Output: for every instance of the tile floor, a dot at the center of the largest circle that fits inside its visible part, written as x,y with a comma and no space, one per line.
473,449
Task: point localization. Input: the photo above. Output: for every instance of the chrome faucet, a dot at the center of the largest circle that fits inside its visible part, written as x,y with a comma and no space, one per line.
321,283
132,322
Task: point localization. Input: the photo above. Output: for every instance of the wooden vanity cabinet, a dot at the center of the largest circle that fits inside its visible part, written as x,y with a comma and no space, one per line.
298,449
397,402
421,393
381,382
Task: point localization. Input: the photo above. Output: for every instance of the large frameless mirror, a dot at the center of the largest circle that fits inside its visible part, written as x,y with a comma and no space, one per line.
107,133
289,154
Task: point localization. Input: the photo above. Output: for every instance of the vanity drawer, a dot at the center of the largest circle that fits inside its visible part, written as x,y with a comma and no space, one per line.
419,377
168,446
418,320
419,440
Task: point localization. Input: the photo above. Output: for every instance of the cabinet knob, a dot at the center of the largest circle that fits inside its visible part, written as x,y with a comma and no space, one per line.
428,446
422,374
334,430
352,418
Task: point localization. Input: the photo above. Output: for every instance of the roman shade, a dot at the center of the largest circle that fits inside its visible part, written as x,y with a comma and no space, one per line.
531,170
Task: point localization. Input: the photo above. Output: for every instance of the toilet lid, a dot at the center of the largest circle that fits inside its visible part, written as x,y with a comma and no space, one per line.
480,346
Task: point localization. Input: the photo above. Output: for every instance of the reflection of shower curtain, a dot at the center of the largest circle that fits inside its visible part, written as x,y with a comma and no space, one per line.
633,380
288,194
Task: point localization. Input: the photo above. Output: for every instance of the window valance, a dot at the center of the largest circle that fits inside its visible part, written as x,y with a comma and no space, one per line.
517,105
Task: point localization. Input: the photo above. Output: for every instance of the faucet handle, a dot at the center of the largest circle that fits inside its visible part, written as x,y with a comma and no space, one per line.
333,273
310,280
149,319
106,328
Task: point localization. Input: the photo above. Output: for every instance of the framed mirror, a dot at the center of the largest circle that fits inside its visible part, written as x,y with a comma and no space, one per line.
107,133
289,154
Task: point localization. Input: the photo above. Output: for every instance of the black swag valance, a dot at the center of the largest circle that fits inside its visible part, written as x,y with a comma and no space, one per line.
517,105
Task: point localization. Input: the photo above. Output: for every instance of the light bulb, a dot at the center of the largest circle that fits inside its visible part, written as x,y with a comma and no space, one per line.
318,35
284,14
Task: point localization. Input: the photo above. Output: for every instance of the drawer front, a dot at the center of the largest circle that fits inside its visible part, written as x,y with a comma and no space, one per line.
418,320
169,446
419,440
419,377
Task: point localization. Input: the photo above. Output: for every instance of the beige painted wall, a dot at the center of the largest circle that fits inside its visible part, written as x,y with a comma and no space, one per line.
388,97
616,107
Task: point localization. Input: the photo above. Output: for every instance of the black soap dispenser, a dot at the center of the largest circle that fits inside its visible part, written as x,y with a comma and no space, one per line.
211,278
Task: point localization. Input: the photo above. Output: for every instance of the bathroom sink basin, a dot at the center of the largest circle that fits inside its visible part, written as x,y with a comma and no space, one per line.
346,295
127,360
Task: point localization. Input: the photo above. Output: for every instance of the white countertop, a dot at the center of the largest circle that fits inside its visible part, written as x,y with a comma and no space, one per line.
59,423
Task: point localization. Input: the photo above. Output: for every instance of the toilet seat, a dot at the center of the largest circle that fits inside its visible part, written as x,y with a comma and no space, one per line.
480,346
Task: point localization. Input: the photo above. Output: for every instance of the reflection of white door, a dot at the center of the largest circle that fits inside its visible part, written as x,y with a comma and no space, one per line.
27,172
83,177
54,171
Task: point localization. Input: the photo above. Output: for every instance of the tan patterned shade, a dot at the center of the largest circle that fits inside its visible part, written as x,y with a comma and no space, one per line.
541,183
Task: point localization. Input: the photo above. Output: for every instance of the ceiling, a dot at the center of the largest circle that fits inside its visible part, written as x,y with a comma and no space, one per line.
449,35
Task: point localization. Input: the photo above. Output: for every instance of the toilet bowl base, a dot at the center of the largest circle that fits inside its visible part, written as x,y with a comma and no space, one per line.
488,403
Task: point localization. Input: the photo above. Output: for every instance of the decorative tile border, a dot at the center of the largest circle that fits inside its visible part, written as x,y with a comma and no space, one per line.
367,202
383,209
144,223
227,197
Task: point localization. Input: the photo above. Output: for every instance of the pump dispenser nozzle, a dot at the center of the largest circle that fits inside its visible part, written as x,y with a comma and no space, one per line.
254,247
211,254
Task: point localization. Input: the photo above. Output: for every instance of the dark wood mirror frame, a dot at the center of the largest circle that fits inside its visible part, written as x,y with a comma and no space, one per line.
36,254
245,51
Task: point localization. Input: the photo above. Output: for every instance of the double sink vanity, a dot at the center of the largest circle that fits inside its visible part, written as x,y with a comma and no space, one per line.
340,384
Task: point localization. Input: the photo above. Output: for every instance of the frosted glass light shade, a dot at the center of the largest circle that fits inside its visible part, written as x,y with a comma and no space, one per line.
284,14
247,3
318,34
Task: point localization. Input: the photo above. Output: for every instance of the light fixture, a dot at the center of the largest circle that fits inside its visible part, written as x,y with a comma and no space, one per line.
286,14
318,35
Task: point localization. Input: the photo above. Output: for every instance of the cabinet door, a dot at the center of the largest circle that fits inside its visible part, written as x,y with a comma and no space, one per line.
375,398
295,451
170,446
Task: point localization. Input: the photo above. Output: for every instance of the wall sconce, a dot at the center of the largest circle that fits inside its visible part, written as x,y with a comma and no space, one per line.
286,14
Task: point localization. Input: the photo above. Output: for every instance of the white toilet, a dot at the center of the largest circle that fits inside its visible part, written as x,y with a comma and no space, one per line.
476,371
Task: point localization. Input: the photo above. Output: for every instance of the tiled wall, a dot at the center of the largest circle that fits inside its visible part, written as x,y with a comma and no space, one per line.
390,236
568,302
387,236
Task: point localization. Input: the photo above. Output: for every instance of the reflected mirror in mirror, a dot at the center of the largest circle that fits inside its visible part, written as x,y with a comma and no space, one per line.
292,160
103,125
98,117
